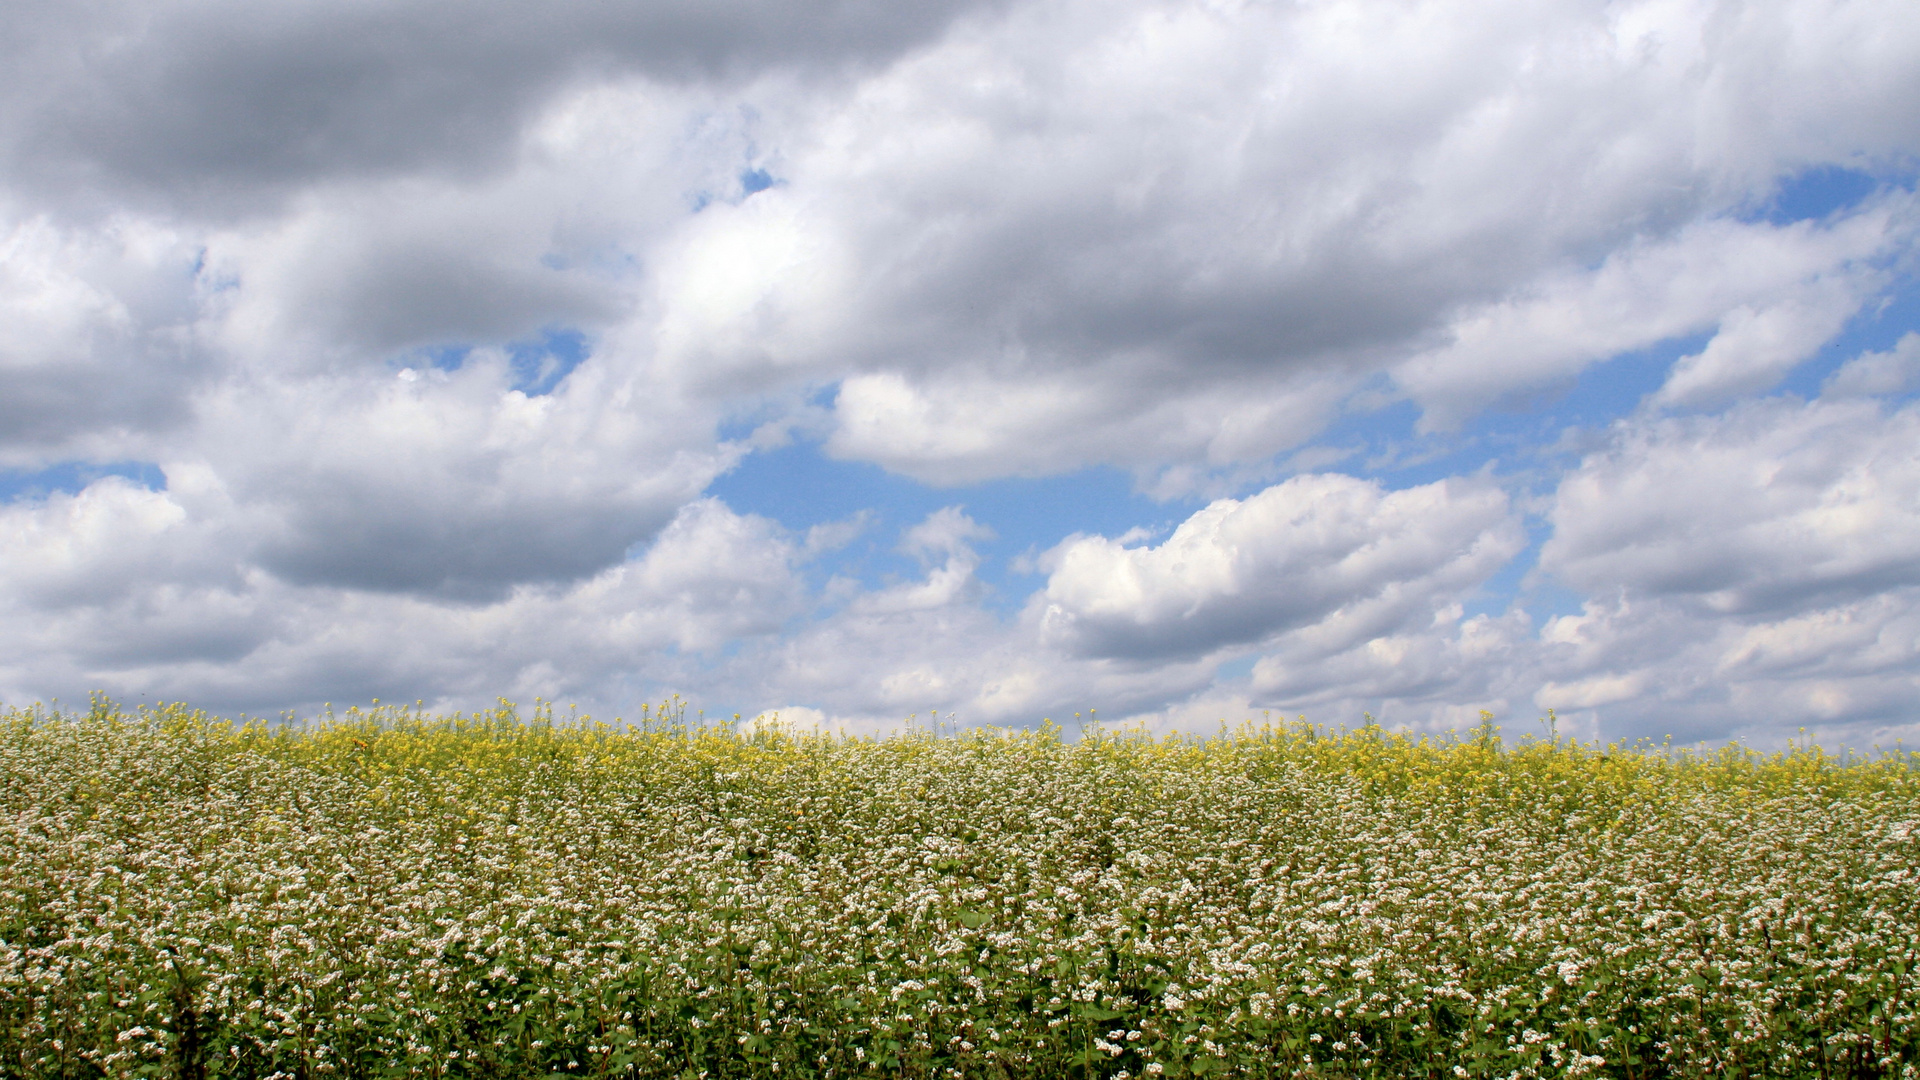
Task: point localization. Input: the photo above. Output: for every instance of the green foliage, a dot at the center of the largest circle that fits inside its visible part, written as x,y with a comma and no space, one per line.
394,894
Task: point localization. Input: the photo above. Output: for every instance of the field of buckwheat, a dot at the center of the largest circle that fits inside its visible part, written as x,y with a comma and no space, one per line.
388,893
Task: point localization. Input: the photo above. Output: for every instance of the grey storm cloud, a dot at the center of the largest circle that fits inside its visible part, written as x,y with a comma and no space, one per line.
207,104
42,411
394,295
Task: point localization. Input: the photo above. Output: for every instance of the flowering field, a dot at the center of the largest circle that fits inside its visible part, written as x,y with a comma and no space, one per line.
391,894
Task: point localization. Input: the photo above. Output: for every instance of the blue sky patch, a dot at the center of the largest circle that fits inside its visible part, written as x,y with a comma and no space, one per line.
539,364
73,477
799,486
1818,192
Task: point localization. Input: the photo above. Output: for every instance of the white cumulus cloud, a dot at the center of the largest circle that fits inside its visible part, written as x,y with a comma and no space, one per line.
1341,555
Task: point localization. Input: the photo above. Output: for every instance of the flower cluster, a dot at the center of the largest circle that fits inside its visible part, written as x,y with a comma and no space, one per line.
389,893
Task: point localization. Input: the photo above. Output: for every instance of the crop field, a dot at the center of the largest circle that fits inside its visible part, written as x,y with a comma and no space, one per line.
387,893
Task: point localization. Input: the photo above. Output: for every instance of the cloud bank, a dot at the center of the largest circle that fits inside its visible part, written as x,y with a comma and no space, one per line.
1525,356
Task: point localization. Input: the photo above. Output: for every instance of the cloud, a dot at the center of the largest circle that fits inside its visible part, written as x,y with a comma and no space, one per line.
1162,237
448,482
1775,292
944,544
802,721
108,541
1020,239
1849,667
963,426
1750,571
1892,372
297,256
95,335
834,535
1435,674
1328,551
1774,505
1653,667
947,531
1754,349
422,267
219,107
189,618
907,647
1386,635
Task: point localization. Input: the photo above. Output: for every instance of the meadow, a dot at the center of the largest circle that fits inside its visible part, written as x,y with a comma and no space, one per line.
388,893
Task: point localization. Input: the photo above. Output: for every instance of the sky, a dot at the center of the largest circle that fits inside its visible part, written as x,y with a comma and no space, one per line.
996,360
